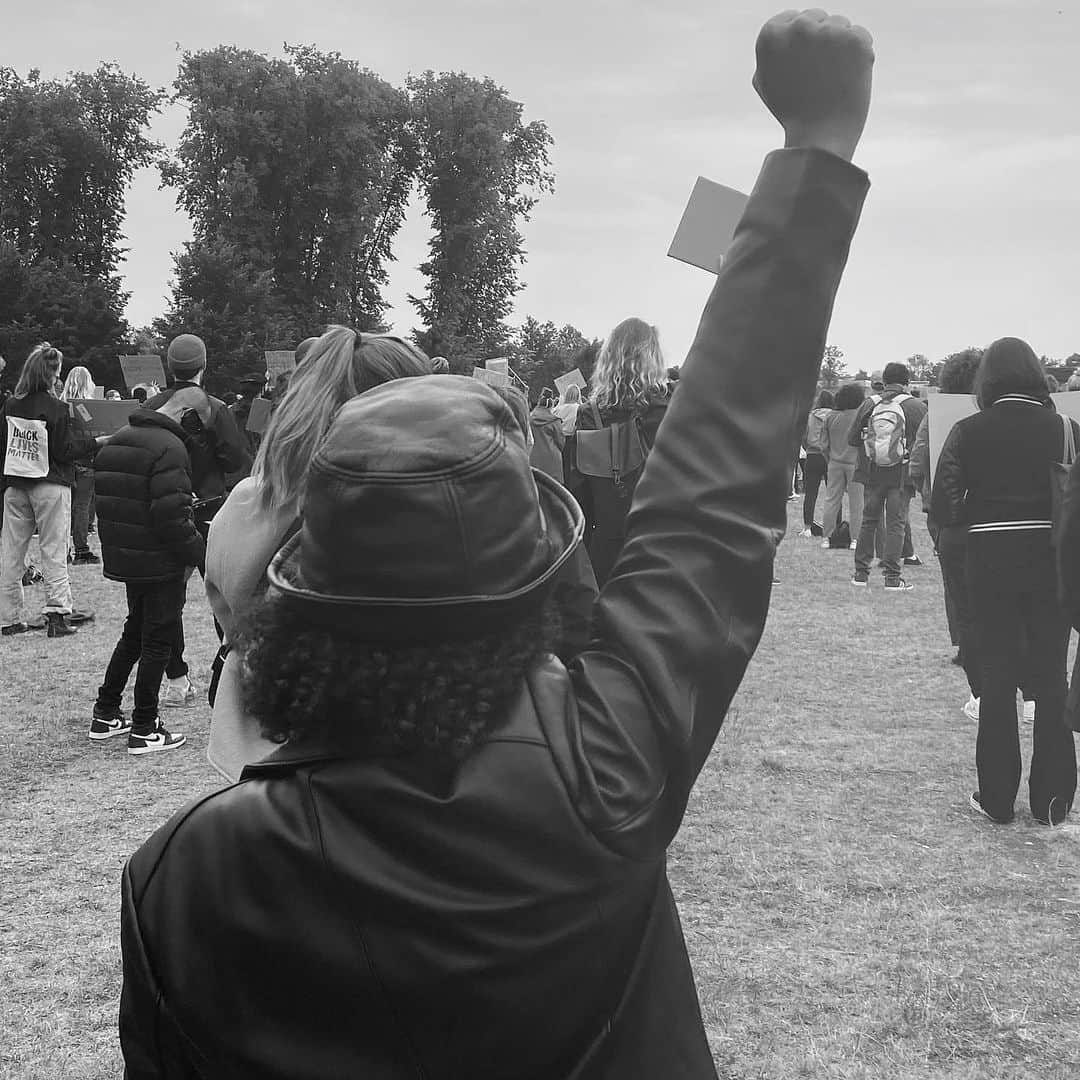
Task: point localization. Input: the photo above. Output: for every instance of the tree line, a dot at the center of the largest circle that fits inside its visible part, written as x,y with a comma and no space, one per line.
295,172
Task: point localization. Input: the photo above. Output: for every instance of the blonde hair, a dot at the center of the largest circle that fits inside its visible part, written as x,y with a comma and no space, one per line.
78,385
36,376
630,368
572,395
339,365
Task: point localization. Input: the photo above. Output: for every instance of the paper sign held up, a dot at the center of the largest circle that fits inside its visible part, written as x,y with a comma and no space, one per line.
103,417
499,363
258,416
708,225
491,378
571,378
278,361
142,369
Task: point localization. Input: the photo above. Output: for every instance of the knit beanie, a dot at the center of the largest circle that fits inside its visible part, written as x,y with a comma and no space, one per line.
186,355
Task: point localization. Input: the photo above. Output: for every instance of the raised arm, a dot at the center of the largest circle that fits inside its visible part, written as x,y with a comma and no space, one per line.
681,615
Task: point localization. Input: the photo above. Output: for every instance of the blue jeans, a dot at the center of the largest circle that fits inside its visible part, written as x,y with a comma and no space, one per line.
889,501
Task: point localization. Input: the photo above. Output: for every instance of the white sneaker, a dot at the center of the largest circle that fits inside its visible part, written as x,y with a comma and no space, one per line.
806,534
970,708
178,697
157,740
1029,712
825,545
853,545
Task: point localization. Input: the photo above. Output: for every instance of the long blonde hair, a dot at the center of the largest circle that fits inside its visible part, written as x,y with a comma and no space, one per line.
630,368
78,385
339,365
37,375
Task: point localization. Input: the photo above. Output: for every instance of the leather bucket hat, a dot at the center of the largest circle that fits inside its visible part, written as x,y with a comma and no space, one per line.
422,519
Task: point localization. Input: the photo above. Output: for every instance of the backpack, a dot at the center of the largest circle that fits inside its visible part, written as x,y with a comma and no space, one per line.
547,449
26,453
840,537
614,454
817,440
885,437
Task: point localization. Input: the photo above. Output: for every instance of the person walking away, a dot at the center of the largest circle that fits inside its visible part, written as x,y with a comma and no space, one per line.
886,427
630,389
567,410
149,542
994,478
842,460
472,837
40,442
548,439
815,464
78,386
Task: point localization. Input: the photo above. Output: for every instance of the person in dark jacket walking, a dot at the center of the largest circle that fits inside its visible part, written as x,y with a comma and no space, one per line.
148,541
887,489
455,864
993,479
40,442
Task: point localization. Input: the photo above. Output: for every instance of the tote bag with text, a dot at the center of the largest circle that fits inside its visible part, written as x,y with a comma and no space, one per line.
27,451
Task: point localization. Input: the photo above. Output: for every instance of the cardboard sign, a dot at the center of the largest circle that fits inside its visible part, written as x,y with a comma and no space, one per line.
97,392
103,417
708,225
571,378
946,409
258,415
491,378
142,369
499,363
279,361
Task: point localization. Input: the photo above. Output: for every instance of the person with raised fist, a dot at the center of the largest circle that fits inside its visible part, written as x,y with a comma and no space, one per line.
454,865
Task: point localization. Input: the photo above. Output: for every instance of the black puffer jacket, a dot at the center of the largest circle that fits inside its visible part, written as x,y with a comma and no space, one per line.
143,486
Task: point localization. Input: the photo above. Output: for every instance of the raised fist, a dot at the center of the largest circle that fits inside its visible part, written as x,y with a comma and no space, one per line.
813,73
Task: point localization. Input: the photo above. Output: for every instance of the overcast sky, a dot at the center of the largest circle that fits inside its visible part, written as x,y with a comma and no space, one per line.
970,231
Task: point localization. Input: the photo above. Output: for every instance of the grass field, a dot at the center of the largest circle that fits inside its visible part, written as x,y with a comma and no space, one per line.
847,914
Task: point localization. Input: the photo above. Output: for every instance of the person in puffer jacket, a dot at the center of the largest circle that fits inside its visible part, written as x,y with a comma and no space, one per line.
148,541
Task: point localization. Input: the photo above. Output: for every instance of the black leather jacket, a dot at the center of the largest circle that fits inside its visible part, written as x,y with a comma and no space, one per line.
334,916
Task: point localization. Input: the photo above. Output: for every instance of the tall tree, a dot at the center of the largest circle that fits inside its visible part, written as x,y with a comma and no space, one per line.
481,172
68,151
541,352
296,172
919,366
833,368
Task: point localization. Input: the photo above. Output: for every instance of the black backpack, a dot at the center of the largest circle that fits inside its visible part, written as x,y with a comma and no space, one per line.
840,536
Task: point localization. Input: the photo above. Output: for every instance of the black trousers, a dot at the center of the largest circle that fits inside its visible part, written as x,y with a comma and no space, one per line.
152,638
1022,636
814,468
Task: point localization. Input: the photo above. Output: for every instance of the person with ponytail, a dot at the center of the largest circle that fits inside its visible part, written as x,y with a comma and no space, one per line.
78,386
263,510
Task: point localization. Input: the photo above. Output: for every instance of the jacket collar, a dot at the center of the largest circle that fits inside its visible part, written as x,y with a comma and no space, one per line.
145,417
1018,399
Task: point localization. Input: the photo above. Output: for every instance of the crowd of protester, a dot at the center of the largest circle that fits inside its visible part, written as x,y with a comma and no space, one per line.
474,653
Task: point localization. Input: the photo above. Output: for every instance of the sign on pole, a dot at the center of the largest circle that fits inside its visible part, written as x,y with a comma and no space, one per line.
571,378
142,369
279,361
491,378
708,225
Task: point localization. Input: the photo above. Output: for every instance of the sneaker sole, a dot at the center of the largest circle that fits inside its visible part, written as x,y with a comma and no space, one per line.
979,809
861,584
138,751
101,736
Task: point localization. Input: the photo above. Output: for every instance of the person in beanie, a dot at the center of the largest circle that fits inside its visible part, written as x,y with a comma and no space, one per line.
148,541
455,863
223,452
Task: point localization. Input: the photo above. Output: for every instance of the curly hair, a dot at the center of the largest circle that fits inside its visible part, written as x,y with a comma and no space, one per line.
302,681
630,368
958,372
849,396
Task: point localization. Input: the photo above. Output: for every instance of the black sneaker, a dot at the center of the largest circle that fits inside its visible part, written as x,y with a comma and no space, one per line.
86,558
16,628
913,560
861,578
154,741
107,723
897,584
57,625
977,806
77,618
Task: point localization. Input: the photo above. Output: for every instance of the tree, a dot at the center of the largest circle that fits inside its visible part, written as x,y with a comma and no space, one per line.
540,352
68,151
481,171
919,367
296,173
862,375
833,368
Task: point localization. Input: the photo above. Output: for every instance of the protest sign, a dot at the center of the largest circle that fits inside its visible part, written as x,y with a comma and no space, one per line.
708,225
280,361
258,415
491,378
97,392
499,363
142,369
571,378
103,417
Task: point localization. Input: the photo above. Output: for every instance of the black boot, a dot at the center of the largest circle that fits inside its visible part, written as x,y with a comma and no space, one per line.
58,625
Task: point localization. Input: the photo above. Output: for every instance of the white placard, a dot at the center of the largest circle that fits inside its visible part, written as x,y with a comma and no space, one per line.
708,225
571,378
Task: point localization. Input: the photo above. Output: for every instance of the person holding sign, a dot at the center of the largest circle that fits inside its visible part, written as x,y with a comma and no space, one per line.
40,442
455,863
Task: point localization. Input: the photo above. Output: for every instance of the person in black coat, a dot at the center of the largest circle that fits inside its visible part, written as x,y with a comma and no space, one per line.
148,541
994,478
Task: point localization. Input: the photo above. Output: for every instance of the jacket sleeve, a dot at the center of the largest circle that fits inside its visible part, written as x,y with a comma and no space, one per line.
70,440
170,508
681,615
139,995
920,455
1068,552
230,448
949,486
